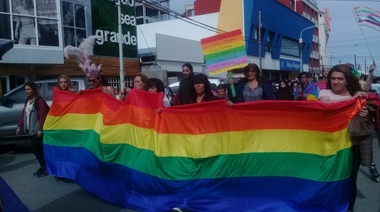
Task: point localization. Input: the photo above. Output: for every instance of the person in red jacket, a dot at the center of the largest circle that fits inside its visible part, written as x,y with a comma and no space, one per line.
32,120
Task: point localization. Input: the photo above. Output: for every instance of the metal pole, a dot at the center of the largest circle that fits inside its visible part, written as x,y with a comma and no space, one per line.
301,45
121,61
330,60
260,62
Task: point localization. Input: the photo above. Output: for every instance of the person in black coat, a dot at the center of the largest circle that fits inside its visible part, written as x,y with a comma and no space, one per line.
284,92
183,93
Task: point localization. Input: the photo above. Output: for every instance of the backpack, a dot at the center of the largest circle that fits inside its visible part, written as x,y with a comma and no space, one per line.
373,103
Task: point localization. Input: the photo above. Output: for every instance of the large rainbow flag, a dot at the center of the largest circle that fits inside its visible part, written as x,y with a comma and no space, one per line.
261,156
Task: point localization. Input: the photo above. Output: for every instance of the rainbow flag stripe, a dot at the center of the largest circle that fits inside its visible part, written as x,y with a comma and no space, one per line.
224,52
261,156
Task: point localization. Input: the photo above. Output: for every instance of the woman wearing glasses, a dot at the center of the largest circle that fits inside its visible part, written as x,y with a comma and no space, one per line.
92,71
97,81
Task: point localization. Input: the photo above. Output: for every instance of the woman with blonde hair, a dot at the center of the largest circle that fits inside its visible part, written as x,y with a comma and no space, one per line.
65,84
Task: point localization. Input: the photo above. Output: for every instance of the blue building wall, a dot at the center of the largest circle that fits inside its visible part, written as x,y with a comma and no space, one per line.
278,21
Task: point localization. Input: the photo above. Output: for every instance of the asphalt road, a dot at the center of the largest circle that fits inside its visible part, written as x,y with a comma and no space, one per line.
49,194
17,166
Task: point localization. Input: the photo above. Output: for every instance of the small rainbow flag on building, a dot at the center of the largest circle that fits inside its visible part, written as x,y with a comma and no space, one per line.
257,156
367,16
224,52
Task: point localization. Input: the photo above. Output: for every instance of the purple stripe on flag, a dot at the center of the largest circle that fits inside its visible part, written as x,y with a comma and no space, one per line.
227,63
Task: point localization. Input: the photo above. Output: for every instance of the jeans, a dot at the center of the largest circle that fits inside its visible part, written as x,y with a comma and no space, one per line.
37,146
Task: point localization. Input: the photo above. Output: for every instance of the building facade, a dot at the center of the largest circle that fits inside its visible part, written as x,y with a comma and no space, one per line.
309,10
152,11
271,30
307,14
40,29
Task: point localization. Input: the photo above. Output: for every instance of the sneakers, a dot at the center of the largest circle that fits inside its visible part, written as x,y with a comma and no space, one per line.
37,172
177,210
374,172
41,172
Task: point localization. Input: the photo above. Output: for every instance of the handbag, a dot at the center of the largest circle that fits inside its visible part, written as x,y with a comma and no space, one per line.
360,126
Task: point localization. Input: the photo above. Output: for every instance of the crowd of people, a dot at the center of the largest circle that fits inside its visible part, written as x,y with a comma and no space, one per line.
338,84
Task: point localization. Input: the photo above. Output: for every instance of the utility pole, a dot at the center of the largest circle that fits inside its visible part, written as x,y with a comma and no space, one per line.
260,61
121,60
355,61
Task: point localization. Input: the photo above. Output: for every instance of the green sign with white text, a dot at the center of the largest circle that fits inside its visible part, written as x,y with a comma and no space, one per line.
105,24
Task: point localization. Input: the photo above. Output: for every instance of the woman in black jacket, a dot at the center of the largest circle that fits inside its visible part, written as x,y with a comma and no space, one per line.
253,87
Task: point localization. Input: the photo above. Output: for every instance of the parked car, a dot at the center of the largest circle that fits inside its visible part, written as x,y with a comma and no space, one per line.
12,103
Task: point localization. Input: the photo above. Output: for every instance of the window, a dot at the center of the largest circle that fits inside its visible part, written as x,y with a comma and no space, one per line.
289,47
115,82
74,23
29,22
139,10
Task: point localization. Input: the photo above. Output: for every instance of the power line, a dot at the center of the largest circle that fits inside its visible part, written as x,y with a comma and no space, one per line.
170,12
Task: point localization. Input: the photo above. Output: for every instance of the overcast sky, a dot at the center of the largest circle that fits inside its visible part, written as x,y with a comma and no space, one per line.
347,39
179,5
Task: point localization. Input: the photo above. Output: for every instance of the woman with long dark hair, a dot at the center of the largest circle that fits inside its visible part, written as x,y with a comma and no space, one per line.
284,92
342,85
200,89
253,87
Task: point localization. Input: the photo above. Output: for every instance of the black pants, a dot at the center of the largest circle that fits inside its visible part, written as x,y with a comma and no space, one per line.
354,174
37,147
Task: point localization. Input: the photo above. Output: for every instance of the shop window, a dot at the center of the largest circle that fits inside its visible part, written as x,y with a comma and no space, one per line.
5,32
74,23
4,6
29,22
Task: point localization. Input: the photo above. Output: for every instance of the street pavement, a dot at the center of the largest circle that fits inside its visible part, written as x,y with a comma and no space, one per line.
368,197
49,194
